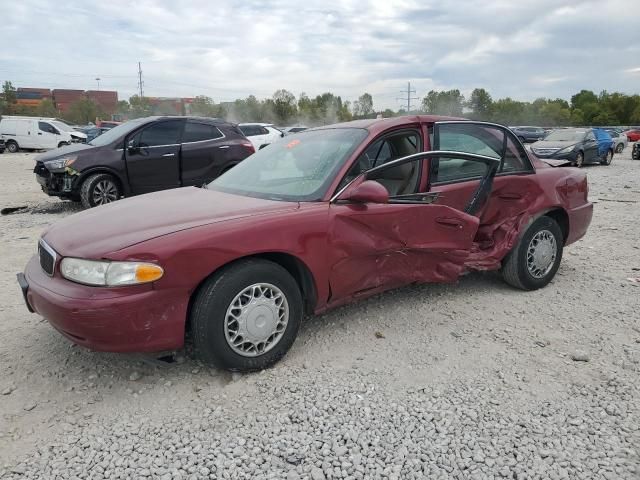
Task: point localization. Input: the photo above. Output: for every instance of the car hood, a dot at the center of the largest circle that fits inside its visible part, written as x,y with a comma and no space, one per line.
78,134
553,144
61,152
109,228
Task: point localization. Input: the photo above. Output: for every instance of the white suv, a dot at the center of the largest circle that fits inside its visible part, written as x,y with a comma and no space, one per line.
260,134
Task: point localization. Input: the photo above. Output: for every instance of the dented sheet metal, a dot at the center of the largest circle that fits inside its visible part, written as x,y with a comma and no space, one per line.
383,245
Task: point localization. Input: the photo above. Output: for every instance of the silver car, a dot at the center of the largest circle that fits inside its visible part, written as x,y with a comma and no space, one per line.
620,140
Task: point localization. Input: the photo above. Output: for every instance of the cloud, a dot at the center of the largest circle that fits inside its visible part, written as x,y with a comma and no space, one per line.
228,50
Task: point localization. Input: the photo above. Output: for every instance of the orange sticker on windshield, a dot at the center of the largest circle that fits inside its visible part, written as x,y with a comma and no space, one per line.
293,143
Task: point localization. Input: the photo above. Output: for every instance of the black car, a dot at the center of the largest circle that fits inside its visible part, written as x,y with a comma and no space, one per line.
141,156
529,134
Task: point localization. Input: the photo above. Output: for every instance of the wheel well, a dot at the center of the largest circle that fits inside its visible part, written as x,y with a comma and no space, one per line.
86,175
562,219
296,268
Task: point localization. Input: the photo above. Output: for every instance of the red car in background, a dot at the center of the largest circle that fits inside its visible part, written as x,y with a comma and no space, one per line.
633,135
316,220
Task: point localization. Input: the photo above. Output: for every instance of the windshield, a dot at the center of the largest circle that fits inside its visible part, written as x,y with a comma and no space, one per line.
299,167
62,126
115,133
566,136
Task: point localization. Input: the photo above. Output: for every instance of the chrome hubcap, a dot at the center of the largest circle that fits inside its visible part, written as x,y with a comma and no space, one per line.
541,254
105,191
256,319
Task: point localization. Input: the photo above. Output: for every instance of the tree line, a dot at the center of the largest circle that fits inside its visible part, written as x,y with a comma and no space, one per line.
284,108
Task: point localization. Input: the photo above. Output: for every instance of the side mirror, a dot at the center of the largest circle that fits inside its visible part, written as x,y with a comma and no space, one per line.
131,146
368,191
282,134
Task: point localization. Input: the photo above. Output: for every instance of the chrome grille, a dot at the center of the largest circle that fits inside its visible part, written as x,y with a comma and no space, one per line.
47,257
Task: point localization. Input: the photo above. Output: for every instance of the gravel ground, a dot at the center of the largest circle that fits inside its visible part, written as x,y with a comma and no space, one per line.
473,380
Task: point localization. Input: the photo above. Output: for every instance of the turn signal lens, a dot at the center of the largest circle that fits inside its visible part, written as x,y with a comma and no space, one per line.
147,272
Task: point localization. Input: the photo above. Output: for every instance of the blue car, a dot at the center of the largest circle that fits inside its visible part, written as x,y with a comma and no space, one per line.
577,146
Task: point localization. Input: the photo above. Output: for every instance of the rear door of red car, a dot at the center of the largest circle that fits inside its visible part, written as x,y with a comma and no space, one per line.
515,186
375,246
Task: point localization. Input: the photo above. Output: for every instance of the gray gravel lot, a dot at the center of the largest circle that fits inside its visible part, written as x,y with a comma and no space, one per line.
473,380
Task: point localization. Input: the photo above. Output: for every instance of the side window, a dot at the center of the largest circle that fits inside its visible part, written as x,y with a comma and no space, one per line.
47,127
383,151
159,134
199,132
514,158
263,131
249,130
590,135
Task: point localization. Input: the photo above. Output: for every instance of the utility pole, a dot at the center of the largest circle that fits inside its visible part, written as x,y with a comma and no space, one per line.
408,91
140,82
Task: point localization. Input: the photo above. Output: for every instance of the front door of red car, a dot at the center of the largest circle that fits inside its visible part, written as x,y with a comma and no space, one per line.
375,246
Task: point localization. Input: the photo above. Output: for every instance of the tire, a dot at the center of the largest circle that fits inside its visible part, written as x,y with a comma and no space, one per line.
579,160
607,158
213,336
620,148
12,147
62,144
91,191
516,269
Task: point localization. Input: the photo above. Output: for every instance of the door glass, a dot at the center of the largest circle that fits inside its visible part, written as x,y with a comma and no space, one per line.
46,127
514,158
198,132
249,130
160,134
468,138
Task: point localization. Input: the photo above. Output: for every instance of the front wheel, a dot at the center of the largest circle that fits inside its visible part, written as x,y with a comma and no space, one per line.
99,189
535,259
579,160
620,148
12,147
607,159
62,144
247,316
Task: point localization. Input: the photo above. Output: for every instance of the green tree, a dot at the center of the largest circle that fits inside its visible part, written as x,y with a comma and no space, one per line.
284,106
481,104
450,102
140,107
83,111
9,93
206,107
363,107
47,109
123,107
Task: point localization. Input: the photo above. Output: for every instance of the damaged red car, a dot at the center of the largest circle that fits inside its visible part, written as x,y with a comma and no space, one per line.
321,218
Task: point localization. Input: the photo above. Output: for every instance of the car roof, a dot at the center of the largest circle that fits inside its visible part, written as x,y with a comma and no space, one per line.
217,121
376,125
246,124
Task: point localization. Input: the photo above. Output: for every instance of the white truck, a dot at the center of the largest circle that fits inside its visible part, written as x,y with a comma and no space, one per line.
36,133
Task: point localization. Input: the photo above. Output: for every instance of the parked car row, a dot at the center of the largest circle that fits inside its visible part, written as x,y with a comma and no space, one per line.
318,219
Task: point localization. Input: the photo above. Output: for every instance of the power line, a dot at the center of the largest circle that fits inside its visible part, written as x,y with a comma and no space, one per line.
408,98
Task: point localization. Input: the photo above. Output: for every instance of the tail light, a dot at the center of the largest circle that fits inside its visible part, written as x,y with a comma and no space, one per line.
249,146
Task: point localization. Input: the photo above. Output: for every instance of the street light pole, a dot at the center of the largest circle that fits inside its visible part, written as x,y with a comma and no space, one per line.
98,80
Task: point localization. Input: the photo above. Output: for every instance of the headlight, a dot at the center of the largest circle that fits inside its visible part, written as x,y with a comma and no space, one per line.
109,274
566,149
59,163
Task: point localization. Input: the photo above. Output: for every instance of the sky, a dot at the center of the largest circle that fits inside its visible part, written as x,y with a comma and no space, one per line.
228,50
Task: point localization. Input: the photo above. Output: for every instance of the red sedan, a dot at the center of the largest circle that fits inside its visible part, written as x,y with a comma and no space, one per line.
321,218
633,135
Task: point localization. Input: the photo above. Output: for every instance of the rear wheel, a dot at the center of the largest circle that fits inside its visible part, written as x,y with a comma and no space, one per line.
607,158
62,144
247,316
579,160
12,147
535,259
99,189
620,148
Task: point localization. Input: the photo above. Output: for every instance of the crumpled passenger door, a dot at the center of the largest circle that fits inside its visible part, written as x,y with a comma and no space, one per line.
373,247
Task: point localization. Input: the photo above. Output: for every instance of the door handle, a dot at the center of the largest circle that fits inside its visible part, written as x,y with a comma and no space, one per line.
223,147
169,155
449,222
510,196
39,133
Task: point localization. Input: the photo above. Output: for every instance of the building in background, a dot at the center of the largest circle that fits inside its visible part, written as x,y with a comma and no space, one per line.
170,105
107,100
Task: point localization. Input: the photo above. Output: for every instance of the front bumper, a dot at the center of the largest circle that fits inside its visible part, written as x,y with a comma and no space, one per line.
126,319
569,156
55,184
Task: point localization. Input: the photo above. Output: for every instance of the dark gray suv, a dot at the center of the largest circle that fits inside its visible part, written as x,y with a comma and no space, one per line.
141,156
